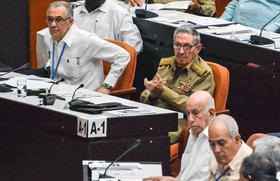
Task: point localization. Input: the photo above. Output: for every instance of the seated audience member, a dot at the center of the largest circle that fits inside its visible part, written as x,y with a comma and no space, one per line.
196,158
179,76
254,13
257,168
228,148
269,147
199,7
102,17
77,55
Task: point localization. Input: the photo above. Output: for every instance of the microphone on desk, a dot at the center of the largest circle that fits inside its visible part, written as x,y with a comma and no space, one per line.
259,39
143,13
135,145
27,65
61,80
80,86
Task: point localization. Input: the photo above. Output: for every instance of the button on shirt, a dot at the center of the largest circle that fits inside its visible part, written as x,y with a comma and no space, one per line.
195,164
82,60
109,21
254,13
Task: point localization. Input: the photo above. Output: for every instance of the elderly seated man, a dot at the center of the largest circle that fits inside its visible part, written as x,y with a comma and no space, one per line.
179,76
104,18
228,148
77,55
195,163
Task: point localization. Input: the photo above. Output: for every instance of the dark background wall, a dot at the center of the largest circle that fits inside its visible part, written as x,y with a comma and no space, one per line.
14,32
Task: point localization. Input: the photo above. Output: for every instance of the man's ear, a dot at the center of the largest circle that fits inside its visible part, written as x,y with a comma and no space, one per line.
198,48
212,113
71,21
237,138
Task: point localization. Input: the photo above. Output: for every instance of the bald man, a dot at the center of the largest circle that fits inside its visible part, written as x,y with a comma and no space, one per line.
228,148
200,109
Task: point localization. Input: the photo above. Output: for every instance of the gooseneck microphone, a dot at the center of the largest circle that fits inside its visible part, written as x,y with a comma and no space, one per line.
143,13
80,86
61,80
135,145
259,39
27,65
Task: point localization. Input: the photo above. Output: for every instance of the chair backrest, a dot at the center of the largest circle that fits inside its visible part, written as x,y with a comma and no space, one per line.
220,6
126,79
221,78
253,137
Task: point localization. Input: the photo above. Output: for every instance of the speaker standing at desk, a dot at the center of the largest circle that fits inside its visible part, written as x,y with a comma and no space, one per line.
179,76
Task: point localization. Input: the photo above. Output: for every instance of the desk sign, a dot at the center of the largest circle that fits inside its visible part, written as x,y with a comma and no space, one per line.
92,128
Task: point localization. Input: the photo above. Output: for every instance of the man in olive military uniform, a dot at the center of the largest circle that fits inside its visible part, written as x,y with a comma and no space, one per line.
199,7
179,76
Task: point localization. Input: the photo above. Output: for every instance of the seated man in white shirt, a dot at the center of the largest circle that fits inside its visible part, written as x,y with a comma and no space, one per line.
196,158
77,55
104,18
228,148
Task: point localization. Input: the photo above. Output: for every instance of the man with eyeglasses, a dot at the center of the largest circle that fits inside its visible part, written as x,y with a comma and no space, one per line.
179,76
77,55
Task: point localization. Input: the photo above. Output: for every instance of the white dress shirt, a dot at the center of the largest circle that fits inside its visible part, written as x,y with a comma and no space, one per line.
195,163
109,21
82,60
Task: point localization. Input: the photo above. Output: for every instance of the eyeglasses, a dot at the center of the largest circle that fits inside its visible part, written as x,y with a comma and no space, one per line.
58,20
186,47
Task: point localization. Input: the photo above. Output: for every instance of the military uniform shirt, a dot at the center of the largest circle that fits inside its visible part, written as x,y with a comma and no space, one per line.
179,86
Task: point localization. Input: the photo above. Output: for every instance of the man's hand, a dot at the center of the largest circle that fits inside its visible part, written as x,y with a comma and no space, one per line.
155,86
133,3
103,90
194,6
163,178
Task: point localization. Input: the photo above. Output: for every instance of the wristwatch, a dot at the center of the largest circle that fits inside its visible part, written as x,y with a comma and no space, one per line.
106,86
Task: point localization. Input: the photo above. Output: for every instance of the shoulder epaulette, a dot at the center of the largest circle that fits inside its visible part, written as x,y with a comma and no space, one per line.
198,69
166,61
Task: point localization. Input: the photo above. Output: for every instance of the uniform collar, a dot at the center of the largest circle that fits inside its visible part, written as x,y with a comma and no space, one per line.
187,67
241,153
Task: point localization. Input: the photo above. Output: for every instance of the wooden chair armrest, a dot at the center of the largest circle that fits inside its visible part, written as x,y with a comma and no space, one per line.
123,91
174,151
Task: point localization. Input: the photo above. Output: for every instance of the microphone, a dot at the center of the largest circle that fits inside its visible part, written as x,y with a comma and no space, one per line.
80,86
258,39
27,65
61,80
135,145
143,13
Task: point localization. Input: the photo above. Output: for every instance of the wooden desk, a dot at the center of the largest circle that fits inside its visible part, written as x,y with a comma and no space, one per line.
254,97
39,143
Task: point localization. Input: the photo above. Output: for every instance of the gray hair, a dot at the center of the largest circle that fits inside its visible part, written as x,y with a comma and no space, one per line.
230,123
257,165
270,147
210,103
189,30
69,9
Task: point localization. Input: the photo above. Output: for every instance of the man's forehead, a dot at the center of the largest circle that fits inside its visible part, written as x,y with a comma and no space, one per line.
184,36
57,11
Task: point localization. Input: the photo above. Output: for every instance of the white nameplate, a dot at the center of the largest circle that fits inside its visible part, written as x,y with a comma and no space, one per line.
92,128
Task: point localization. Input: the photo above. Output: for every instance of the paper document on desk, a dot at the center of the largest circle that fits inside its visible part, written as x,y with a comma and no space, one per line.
130,112
177,5
231,29
31,83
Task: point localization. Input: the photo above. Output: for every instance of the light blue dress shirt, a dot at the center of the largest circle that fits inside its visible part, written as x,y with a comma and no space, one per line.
254,13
